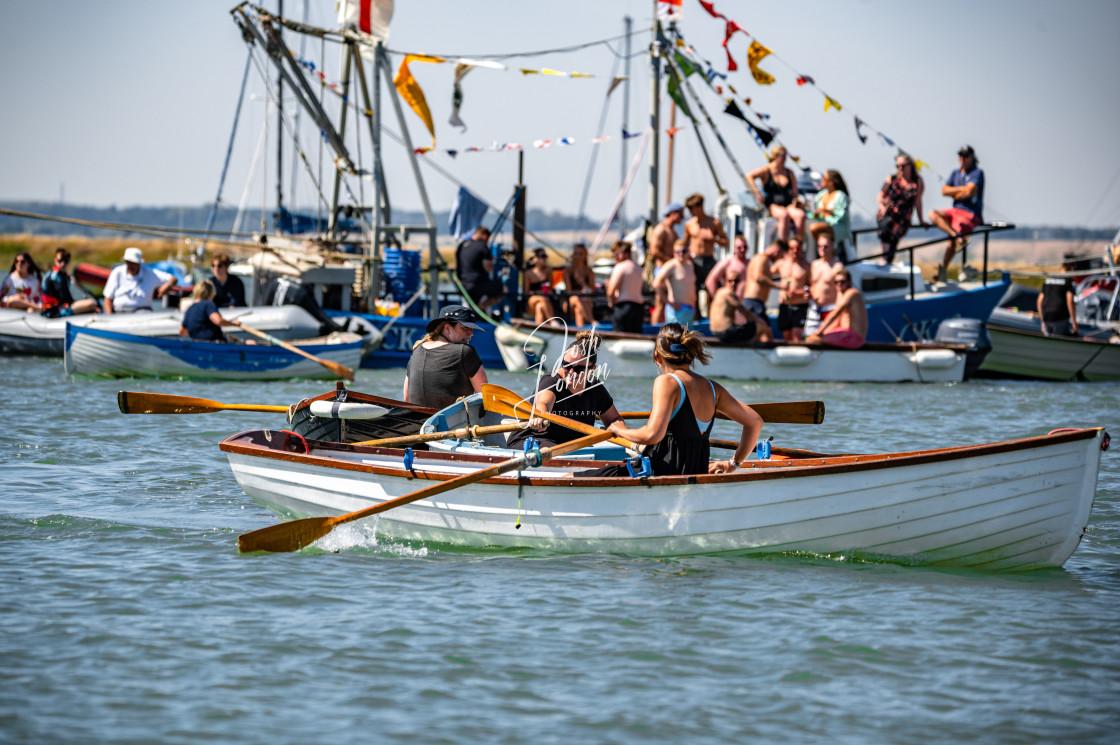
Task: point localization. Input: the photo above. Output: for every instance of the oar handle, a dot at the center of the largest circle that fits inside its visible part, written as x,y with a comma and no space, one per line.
463,433
780,412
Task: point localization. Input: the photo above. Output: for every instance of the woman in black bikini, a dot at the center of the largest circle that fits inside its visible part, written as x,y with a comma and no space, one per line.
579,282
683,412
537,275
779,193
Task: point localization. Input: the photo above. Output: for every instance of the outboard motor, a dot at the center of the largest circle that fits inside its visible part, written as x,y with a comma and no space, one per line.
968,331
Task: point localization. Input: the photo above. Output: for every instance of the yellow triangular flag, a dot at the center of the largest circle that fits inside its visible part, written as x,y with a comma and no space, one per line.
828,102
410,90
754,56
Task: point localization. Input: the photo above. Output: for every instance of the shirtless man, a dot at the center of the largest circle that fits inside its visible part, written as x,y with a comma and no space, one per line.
794,293
661,242
703,233
822,272
846,325
677,282
760,277
726,312
624,291
738,259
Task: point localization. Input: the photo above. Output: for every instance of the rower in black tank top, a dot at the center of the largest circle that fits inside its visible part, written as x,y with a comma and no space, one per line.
685,449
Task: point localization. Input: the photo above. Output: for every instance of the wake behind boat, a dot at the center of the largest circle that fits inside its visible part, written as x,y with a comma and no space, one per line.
105,353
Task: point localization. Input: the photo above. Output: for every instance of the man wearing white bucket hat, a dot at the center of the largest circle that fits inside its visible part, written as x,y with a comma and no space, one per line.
132,286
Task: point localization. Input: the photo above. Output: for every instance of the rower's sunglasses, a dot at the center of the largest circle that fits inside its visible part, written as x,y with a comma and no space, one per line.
580,365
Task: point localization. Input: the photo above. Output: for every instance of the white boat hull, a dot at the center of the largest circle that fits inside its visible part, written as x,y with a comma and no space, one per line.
632,356
1005,506
101,353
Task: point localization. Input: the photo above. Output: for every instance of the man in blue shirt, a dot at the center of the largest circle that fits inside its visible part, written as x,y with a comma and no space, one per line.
966,188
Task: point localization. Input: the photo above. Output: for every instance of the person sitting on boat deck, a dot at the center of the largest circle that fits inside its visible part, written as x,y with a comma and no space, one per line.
474,265
779,193
229,290
624,290
738,258
822,275
846,325
444,366
574,391
900,197
703,233
1056,307
285,290
662,239
22,288
579,283
683,413
57,299
133,285
760,277
794,292
831,207
966,188
202,321
730,321
537,277
677,283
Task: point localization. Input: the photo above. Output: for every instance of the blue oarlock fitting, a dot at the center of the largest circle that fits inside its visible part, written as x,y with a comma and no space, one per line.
408,457
646,469
763,449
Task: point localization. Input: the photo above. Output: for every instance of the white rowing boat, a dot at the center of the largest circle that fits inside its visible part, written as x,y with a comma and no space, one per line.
1014,505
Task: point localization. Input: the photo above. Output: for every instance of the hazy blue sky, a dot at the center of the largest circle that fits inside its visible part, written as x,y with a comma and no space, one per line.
131,102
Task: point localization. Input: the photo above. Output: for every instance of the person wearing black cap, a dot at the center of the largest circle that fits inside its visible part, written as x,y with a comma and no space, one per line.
444,366
473,265
966,188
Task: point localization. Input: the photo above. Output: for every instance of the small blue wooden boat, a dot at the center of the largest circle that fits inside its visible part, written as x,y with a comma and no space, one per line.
98,352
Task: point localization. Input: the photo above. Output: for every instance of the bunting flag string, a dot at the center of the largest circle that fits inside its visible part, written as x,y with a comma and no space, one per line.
757,52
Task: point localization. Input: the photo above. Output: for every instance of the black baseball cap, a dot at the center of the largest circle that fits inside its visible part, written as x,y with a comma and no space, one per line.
967,152
458,314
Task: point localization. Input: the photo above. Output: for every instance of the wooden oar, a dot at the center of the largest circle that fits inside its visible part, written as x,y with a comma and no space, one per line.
465,432
137,402
781,412
294,535
341,371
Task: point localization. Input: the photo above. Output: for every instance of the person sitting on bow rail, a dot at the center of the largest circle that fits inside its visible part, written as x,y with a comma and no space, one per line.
684,410
576,391
202,321
444,366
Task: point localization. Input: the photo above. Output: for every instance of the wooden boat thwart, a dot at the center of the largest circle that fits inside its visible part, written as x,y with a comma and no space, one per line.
1020,504
92,351
631,355
1017,352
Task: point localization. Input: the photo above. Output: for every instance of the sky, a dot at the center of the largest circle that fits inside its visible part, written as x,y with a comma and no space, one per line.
131,103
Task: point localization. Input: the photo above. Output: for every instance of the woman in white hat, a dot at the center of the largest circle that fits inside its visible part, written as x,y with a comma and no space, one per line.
444,366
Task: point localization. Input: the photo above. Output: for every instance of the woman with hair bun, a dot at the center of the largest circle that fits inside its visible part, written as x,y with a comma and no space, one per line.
684,409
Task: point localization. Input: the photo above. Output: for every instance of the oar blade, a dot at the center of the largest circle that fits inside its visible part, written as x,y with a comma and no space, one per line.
137,402
286,537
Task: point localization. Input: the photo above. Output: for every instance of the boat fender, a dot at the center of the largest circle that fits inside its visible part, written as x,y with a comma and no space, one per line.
409,456
935,359
344,410
790,356
628,349
295,445
763,449
644,471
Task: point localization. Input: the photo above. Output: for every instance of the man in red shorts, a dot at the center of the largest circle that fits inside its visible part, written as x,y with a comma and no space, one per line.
966,188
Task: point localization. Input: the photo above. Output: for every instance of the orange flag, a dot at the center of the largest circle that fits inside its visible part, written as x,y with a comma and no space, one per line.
410,90
754,56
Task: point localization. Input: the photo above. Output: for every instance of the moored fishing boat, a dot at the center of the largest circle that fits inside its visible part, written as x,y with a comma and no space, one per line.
1014,505
1023,353
629,355
100,352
